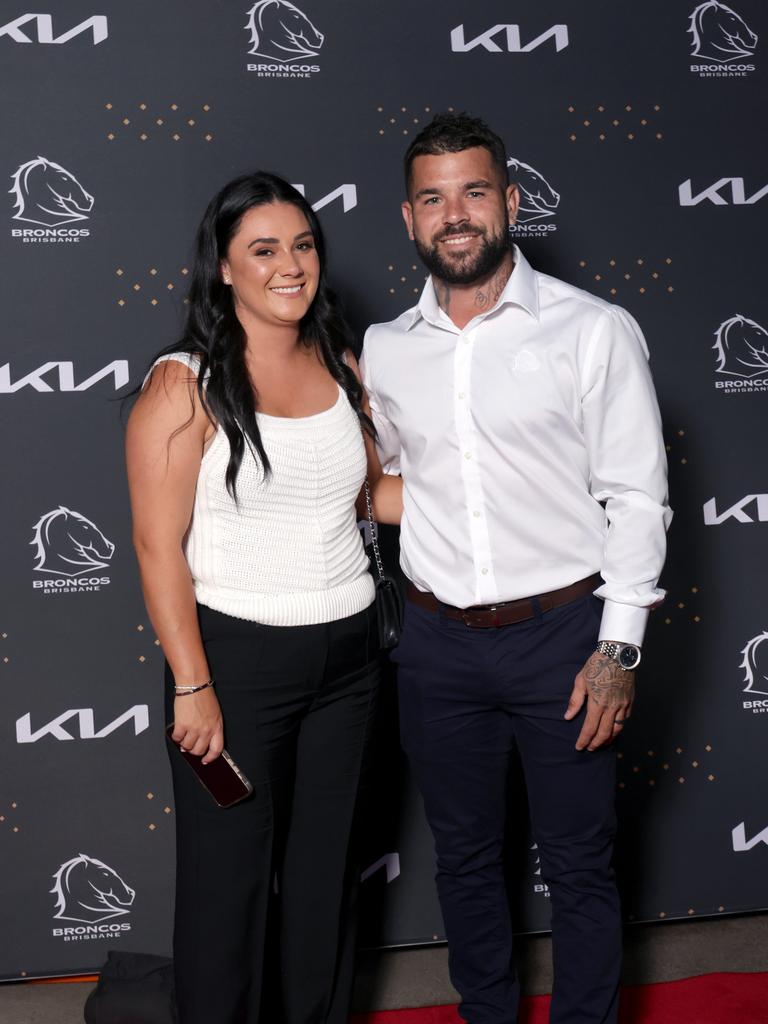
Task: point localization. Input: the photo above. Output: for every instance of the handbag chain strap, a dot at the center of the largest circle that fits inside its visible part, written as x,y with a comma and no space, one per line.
374,532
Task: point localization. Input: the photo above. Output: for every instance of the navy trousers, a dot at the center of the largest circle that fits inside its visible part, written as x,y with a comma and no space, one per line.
468,697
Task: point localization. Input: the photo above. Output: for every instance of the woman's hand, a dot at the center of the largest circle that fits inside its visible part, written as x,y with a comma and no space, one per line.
198,726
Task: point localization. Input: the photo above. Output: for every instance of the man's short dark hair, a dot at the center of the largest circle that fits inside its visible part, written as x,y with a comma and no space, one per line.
452,133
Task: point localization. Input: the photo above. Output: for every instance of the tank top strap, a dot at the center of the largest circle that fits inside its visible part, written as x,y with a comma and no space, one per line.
187,358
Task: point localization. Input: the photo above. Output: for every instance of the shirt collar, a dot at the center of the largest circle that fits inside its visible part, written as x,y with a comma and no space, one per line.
520,290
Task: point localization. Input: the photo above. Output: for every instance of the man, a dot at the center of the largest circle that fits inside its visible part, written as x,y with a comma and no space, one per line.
521,414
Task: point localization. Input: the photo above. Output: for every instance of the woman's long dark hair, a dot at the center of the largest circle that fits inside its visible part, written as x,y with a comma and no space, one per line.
216,337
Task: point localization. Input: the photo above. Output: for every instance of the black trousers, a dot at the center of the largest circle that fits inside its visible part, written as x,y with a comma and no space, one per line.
265,890
467,697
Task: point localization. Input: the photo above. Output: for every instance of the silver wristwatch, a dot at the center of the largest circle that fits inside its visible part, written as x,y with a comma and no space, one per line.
626,656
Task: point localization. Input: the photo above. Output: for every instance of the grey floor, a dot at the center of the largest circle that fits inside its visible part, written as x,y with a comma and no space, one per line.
419,977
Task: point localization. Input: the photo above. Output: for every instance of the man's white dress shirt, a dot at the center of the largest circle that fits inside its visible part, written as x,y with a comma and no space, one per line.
530,448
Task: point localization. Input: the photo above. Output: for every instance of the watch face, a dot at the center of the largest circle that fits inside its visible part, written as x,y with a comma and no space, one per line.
629,656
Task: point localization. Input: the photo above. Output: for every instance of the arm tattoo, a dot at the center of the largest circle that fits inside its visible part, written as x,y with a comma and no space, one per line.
608,684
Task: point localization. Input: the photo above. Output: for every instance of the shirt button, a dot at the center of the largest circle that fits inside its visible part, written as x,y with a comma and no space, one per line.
467,340
476,514
461,394
484,572
467,455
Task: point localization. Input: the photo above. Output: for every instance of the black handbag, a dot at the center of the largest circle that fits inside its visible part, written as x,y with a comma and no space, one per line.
389,603
133,988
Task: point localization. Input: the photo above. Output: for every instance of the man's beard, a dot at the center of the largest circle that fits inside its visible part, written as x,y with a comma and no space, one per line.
469,268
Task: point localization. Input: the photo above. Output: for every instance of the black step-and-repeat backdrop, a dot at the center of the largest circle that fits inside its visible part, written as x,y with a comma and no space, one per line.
635,135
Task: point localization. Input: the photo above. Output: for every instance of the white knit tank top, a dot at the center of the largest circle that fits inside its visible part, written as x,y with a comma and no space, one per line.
289,553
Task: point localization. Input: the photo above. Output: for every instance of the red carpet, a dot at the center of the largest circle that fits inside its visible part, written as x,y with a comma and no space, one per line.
710,999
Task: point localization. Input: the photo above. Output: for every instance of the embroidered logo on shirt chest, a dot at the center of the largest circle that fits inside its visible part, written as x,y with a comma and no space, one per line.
525,362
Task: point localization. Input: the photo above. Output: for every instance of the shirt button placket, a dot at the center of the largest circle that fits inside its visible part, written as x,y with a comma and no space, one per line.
473,492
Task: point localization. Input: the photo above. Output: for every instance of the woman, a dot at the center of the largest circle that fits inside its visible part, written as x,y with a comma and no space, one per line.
245,454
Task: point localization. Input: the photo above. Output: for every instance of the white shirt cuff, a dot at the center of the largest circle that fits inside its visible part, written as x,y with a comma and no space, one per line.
623,622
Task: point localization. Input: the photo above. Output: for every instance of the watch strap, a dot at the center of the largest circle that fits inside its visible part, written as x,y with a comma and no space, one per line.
613,650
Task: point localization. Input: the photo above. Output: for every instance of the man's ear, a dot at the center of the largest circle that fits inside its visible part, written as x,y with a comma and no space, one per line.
512,197
407,211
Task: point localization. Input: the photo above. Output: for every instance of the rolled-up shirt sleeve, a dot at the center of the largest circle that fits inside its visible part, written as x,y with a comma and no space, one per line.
627,459
387,439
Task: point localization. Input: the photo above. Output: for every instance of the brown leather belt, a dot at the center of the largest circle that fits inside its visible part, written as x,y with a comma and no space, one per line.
488,616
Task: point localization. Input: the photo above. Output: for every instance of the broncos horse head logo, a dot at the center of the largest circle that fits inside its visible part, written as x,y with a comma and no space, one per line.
719,33
742,347
45,193
755,664
68,544
90,891
282,32
537,197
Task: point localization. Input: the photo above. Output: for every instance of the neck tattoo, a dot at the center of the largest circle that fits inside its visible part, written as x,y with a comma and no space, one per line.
484,298
487,296
443,293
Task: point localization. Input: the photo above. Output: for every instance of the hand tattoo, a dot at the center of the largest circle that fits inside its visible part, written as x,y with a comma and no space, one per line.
608,684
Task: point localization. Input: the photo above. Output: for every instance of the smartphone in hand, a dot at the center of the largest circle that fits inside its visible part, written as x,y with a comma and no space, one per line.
222,778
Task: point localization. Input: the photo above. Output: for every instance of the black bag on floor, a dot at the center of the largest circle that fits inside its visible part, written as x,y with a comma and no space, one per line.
134,988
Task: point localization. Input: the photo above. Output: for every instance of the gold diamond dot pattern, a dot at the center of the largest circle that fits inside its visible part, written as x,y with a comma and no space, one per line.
604,123
410,280
401,119
150,275
647,774
644,276
150,125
